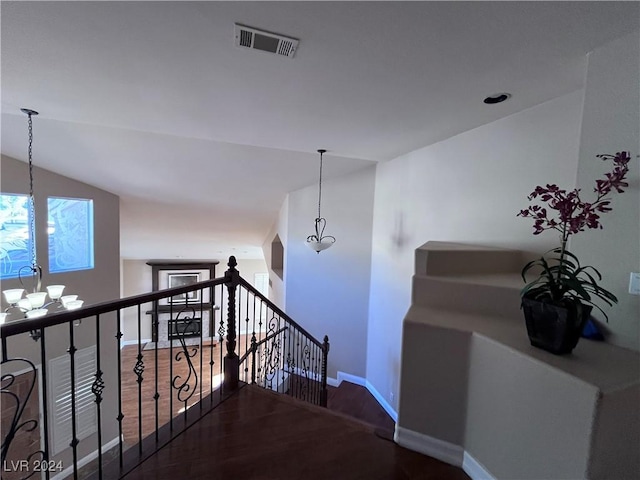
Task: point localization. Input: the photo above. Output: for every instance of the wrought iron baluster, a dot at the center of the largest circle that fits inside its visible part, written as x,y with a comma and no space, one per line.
259,357
306,356
45,398
313,374
120,416
156,396
290,363
221,334
253,323
282,343
170,369
138,369
187,386
317,375
201,347
325,355
96,388
253,358
246,332
212,327
271,354
299,362
74,436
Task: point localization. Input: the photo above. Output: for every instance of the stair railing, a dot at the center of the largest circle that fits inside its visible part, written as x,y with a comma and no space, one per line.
135,407
279,354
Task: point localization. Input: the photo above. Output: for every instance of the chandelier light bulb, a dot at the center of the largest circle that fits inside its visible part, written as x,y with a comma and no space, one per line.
13,295
55,291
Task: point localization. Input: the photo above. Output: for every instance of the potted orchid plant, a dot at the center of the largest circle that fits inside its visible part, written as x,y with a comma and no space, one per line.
558,302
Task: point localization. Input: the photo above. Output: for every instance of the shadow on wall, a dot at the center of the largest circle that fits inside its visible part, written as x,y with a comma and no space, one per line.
399,238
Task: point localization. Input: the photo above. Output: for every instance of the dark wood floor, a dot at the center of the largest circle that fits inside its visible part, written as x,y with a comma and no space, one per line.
169,405
348,399
355,401
258,434
172,370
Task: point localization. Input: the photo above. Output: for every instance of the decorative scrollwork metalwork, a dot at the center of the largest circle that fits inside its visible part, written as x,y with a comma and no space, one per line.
291,362
306,367
98,386
138,368
17,407
186,386
271,354
221,330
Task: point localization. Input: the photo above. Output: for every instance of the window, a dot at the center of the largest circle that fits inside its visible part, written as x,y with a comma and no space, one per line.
15,238
70,230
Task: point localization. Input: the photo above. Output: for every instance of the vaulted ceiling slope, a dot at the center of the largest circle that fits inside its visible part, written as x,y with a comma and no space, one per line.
153,102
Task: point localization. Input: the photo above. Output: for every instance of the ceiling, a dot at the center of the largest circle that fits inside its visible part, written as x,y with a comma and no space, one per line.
202,140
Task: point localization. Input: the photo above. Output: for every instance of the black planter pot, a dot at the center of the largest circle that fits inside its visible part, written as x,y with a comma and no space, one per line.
554,328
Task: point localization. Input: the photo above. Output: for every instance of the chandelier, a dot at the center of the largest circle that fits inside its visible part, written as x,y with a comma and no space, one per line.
35,303
318,241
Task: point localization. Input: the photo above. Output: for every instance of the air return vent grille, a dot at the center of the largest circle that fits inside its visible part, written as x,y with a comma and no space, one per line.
255,39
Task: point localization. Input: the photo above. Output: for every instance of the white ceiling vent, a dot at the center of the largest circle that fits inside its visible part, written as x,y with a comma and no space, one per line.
266,41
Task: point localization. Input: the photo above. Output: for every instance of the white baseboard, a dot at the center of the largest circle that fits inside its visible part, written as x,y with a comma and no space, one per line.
447,452
381,400
342,377
124,343
433,447
475,469
363,382
85,460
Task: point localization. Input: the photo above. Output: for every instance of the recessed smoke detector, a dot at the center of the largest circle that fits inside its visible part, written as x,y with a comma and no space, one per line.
497,98
255,39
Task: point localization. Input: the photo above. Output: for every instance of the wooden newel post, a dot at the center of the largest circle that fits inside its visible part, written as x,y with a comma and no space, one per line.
231,359
325,354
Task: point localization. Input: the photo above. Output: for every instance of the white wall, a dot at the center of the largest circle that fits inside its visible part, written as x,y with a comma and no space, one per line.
466,189
327,293
136,280
611,123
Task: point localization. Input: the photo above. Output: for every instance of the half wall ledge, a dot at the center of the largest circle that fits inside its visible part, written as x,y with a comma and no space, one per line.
471,382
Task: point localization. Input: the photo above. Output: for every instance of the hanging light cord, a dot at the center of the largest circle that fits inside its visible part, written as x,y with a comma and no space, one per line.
34,261
320,184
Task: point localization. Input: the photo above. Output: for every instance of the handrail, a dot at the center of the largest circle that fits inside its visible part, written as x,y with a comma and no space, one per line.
288,362
264,340
23,326
275,308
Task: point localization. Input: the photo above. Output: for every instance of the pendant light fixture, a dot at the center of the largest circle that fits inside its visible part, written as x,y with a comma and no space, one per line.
35,303
318,241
